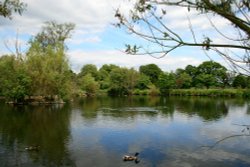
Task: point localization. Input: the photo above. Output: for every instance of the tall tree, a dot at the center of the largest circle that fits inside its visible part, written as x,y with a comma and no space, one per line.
7,7
151,16
47,62
53,34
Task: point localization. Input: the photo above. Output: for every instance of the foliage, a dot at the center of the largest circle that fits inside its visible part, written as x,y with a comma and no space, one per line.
151,16
7,7
53,35
240,81
143,82
14,81
210,74
118,86
152,71
166,82
208,92
153,91
183,80
45,72
89,69
88,83
104,75
49,71
46,61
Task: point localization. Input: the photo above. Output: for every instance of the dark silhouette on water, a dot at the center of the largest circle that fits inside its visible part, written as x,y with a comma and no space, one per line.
131,158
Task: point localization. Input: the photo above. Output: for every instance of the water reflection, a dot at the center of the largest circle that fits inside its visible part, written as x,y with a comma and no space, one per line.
43,126
207,108
99,131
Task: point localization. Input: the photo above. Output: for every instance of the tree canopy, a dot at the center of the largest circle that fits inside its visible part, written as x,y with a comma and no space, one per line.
53,35
7,7
151,16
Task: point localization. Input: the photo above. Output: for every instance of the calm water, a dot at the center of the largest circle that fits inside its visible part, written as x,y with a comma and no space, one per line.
98,132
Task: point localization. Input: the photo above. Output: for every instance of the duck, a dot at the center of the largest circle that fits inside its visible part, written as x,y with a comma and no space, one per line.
131,158
32,148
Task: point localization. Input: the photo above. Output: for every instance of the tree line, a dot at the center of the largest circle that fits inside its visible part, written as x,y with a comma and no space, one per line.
151,80
49,74
44,71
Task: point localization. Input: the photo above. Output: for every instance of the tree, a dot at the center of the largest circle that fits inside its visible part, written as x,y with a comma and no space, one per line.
152,71
47,63
7,7
205,80
14,80
240,81
166,82
117,84
88,84
89,69
122,81
104,75
184,80
151,16
143,82
210,73
54,35
131,81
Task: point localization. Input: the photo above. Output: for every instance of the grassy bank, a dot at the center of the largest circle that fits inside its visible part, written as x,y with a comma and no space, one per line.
211,92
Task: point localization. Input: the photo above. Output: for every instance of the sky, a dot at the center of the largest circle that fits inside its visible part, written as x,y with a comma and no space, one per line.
95,40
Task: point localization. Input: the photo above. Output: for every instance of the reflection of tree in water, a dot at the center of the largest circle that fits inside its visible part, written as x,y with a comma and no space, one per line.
45,126
206,108
125,107
248,108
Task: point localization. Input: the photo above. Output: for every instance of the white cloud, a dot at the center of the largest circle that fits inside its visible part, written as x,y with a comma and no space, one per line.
93,18
88,14
81,40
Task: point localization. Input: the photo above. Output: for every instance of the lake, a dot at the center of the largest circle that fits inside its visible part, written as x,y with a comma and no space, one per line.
169,131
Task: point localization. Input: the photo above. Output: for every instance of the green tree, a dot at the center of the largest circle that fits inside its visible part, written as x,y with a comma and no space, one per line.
143,82
14,80
122,81
89,85
152,16
211,73
117,78
49,70
89,69
205,80
166,82
183,80
131,79
47,63
53,35
104,75
240,81
152,71
7,7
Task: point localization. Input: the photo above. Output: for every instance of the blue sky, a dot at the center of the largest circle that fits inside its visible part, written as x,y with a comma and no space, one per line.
94,39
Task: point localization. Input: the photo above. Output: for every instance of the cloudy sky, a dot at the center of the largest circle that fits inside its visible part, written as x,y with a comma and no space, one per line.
95,40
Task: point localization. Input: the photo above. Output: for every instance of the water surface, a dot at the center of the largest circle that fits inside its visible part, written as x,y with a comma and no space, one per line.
99,131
